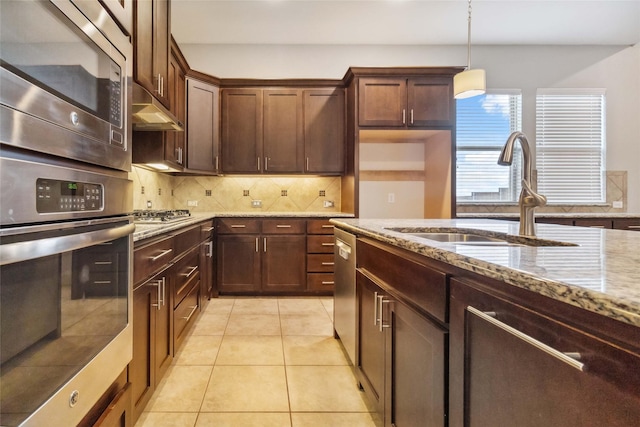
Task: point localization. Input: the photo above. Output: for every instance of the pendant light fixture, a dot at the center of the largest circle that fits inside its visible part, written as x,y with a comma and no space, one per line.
469,82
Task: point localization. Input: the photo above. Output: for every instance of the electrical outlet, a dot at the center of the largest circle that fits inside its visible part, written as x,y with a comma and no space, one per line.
193,203
149,204
391,198
618,204
328,204
256,203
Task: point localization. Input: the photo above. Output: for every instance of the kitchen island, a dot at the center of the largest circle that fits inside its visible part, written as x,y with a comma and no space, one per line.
498,333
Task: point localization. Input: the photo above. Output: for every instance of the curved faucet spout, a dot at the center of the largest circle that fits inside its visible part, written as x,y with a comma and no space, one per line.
529,199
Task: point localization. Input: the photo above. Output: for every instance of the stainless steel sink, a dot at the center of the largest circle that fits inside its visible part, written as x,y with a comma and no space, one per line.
468,238
461,236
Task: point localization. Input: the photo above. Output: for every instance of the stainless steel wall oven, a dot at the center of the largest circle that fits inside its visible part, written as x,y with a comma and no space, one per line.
66,229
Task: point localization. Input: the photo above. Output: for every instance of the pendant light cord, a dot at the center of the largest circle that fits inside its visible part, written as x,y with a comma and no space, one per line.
469,39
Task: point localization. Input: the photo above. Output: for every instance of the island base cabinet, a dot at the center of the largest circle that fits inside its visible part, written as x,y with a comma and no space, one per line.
415,370
400,359
512,366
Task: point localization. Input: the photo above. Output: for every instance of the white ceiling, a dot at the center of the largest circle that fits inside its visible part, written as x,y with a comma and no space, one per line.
421,22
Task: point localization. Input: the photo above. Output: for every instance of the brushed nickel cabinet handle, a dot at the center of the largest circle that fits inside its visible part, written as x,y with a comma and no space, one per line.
634,227
307,166
375,308
193,310
264,240
257,250
102,263
328,244
328,263
238,226
404,116
381,302
163,253
327,226
283,225
412,116
191,271
266,163
258,163
570,358
328,283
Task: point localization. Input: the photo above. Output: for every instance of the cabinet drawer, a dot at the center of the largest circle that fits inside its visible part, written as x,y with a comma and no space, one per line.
320,244
283,226
206,229
185,313
319,226
238,226
420,285
320,263
595,223
627,224
320,281
187,271
186,240
151,258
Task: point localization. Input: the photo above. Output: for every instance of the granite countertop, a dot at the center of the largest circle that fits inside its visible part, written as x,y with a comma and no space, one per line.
145,231
601,274
586,215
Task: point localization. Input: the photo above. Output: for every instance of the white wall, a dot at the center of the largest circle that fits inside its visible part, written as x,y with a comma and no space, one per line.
615,68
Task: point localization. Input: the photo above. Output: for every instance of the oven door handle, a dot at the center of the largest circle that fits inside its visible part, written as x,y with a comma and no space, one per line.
23,251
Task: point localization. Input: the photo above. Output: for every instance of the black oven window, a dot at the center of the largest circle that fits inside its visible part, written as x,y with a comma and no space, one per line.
57,313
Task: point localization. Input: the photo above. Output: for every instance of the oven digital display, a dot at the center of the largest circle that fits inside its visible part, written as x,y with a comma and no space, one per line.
72,189
53,195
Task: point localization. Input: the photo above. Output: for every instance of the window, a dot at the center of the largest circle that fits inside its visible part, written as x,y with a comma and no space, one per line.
483,124
570,145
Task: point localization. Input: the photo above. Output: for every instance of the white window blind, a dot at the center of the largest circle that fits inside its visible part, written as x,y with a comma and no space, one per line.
483,124
570,145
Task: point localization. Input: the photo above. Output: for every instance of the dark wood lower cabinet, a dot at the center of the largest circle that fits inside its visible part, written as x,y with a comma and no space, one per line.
152,337
512,366
401,359
283,263
118,413
238,263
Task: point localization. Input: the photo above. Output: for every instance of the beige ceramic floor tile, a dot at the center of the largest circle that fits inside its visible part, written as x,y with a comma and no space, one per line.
243,419
328,305
253,324
303,324
255,306
210,324
306,306
324,389
247,389
313,350
181,390
199,350
167,419
220,305
251,350
333,419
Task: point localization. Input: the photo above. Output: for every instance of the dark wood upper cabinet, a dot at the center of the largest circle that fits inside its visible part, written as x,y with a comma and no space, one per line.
405,102
151,45
242,130
283,132
203,127
324,130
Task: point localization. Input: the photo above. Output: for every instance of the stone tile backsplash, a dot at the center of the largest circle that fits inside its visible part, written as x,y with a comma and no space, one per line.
234,193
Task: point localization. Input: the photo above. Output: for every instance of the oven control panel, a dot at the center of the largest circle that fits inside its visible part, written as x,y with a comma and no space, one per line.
54,195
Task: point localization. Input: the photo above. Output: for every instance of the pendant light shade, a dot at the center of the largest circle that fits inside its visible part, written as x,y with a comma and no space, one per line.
469,82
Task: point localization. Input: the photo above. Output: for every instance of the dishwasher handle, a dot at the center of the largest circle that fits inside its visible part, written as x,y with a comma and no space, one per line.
344,250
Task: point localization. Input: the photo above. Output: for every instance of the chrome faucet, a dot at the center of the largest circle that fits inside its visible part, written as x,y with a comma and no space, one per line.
529,199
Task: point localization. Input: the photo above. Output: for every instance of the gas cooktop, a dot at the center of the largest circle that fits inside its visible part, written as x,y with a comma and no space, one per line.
160,216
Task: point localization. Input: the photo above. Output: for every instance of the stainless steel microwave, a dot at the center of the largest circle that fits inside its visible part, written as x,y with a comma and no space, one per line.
64,81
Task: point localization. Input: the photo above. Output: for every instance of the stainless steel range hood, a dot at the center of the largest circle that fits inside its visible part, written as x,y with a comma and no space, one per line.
149,114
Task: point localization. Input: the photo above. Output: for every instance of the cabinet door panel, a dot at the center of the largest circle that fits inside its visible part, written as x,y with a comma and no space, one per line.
370,343
429,102
202,131
415,369
163,333
382,101
238,263
162,45
283,264
283,142
324,131
143,71
141,371
242,130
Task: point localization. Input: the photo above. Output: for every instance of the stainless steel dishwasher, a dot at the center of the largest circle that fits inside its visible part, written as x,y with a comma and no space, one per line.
344,296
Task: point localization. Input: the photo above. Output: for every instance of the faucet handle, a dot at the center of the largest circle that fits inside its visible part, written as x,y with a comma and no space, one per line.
538,199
